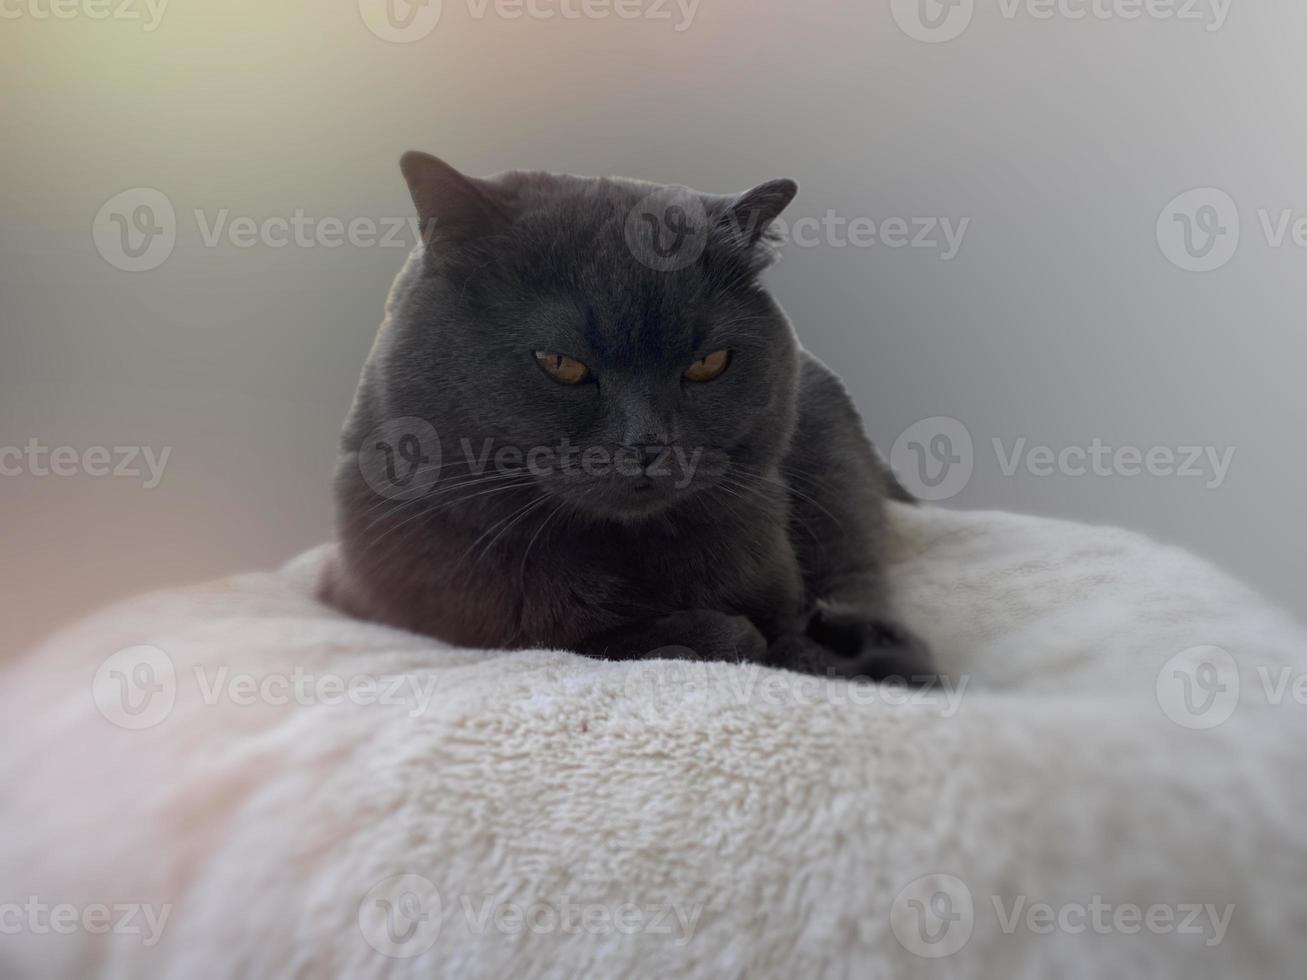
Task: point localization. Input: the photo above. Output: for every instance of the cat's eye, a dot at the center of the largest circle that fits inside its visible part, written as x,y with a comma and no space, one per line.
563,369
707,368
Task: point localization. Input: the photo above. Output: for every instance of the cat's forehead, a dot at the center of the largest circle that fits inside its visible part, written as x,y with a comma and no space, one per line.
585,200
614,224
585,237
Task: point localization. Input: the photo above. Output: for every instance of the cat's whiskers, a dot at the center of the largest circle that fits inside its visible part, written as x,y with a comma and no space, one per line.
435,490
540,530
401,541
388,509
424,513
508,522
729,492
745,472
792,514
790,472
427,512
380,507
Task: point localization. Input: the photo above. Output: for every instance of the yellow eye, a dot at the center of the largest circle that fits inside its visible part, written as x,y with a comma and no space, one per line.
563,369
709,367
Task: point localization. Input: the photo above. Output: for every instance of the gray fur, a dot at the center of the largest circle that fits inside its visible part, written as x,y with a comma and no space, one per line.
770,549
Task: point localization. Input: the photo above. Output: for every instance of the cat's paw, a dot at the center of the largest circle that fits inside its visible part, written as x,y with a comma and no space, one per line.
871,647
704,634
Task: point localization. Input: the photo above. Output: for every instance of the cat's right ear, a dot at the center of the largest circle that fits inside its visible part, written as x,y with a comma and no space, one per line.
750,215
451,206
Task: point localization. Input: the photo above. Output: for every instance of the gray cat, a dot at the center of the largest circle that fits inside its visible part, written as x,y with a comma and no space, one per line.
584,424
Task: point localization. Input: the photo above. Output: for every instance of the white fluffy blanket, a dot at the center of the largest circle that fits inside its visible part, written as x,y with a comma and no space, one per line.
1113,784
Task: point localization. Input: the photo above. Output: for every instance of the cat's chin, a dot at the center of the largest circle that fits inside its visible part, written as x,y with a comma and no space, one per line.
627,505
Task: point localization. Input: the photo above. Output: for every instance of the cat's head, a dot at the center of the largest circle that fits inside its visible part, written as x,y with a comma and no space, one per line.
611,332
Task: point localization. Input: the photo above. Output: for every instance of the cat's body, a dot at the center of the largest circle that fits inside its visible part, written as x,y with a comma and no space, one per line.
729,512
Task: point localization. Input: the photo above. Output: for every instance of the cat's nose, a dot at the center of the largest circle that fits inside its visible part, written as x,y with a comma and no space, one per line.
647,449
648,439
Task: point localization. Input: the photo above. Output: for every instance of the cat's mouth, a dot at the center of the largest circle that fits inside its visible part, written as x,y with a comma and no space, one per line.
624,498
659,478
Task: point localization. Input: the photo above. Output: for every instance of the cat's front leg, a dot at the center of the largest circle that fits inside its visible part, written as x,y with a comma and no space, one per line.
694,634
851,631
863,640
868,650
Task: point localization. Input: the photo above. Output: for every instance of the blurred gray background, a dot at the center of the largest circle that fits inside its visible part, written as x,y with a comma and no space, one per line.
1067,315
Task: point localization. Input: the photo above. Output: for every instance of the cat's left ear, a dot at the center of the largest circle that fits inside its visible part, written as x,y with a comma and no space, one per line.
451,206
749,216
